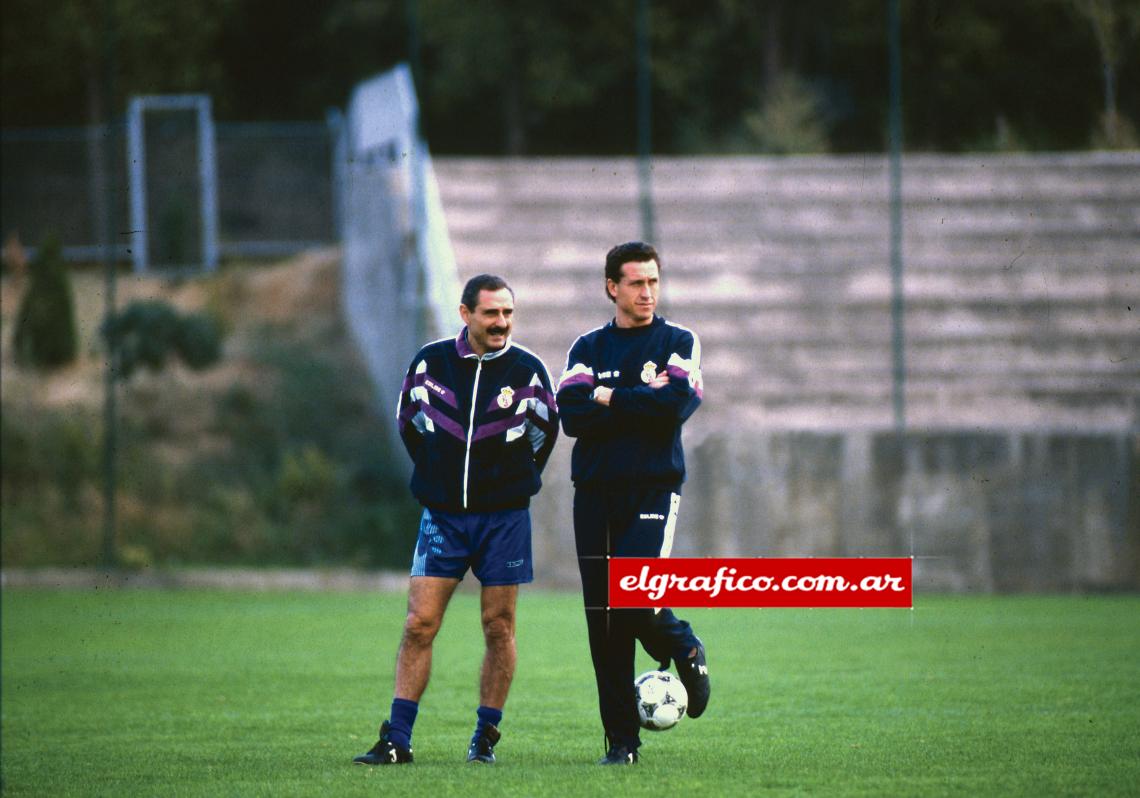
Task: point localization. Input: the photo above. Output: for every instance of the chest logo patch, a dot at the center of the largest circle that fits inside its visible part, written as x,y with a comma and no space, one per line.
506,397
648,371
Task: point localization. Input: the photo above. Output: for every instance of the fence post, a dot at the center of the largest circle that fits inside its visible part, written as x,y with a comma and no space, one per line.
136,164
208,174
898,370
644,124
110,278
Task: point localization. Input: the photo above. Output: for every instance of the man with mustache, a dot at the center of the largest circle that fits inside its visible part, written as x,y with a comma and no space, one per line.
627,389
478,418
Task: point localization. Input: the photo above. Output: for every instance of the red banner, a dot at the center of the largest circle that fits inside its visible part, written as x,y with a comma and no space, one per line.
760,582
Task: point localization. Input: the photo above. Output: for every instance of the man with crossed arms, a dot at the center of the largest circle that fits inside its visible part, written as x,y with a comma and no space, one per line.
626,390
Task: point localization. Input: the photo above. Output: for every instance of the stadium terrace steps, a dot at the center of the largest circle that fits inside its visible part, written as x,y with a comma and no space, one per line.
1021,284
810,257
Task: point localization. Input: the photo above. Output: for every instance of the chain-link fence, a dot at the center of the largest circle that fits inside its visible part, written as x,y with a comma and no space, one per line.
275,188
55,184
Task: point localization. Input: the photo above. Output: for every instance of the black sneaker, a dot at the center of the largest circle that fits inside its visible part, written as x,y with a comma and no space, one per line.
385,752
694,673
482,748
619,755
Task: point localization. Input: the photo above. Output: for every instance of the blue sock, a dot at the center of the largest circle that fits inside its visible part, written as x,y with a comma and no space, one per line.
488,716
402,720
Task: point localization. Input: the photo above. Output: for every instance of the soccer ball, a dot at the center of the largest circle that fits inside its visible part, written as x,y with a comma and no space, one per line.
661,700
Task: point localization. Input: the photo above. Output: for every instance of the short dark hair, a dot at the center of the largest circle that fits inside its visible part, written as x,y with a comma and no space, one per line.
482,282
629,252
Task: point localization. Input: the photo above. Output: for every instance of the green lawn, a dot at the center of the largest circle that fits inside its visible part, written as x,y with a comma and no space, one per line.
208,693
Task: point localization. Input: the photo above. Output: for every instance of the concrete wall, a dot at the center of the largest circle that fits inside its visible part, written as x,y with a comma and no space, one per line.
979,510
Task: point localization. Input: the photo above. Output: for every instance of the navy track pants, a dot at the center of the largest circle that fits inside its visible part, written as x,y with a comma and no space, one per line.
624,522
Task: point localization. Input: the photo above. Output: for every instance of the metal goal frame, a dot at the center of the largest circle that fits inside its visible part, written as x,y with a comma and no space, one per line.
207,173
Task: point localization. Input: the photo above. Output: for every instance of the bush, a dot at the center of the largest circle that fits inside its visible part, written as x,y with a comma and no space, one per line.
45,335
57,449
147,332
295,468
198,341
307,479
49,474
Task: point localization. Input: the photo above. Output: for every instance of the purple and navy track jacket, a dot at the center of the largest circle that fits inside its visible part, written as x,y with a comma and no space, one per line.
479,429
637,439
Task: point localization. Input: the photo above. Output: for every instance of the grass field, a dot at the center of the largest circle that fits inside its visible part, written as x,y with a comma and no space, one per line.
208,693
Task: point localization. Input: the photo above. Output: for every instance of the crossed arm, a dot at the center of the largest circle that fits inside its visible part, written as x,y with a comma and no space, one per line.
669,398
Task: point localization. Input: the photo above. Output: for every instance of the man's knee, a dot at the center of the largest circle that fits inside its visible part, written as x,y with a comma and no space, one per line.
421,629
498,626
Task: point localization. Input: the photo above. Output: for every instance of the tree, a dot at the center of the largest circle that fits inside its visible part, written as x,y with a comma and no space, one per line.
45,335
544,76
57,56
789,121
508,72
1114,24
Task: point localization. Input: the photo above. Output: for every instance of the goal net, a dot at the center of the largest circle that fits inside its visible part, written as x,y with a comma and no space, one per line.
173,183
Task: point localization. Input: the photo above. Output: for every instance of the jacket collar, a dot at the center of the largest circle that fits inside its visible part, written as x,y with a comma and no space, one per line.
644,328
464,349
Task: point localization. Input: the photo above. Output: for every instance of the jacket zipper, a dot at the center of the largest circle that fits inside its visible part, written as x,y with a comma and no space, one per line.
471,430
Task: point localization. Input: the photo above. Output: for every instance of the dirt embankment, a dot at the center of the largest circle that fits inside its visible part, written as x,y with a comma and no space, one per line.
298,297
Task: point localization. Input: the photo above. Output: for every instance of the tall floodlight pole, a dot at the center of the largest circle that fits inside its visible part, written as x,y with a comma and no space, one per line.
111,377
413,17
644,123
414,282
898,370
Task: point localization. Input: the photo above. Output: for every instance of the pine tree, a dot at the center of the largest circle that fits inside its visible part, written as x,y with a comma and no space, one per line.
45,335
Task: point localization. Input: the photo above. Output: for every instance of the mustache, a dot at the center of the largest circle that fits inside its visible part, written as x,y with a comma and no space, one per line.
497,330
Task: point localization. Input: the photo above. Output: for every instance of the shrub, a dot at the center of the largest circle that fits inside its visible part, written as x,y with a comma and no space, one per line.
57,449
198,341
45,335
147,332
307,479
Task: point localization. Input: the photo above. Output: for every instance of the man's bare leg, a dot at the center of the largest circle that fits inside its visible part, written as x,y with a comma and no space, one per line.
427,600
498,603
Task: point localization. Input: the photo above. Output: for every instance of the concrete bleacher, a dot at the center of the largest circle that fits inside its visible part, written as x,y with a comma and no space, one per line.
1022,299
1021,278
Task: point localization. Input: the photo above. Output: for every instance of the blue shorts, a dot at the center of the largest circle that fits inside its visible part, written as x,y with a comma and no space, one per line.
495,546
